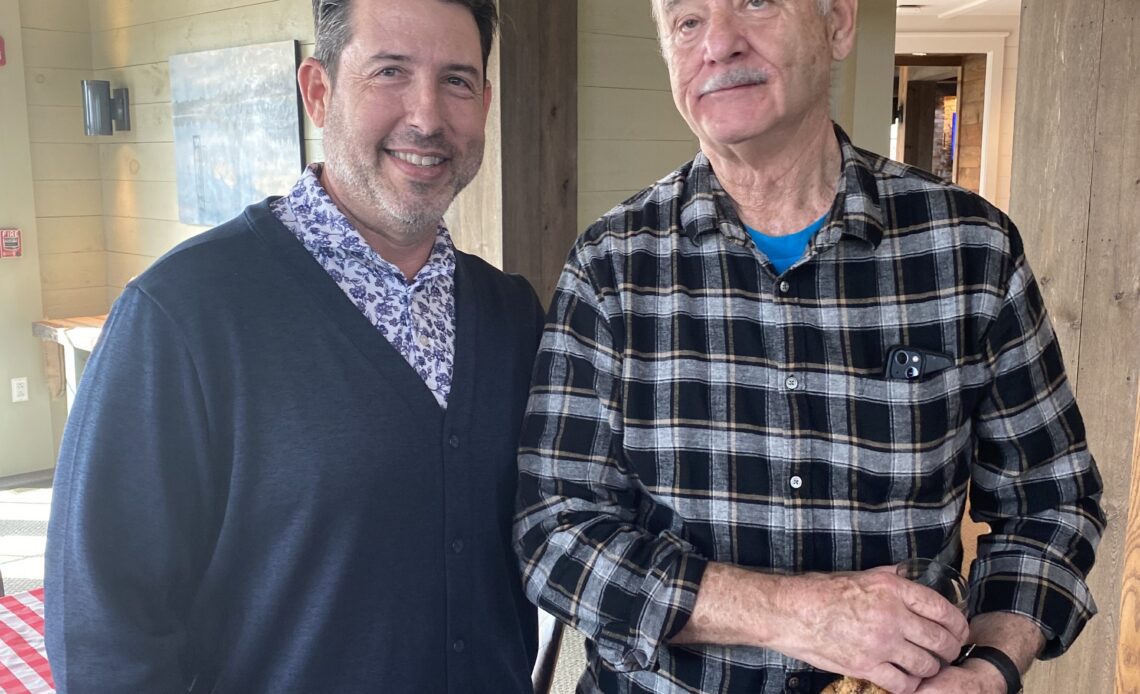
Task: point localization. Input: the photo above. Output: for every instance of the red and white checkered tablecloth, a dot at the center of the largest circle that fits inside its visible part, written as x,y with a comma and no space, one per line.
23,661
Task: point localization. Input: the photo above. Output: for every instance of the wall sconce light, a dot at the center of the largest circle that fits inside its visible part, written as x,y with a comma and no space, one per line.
102,113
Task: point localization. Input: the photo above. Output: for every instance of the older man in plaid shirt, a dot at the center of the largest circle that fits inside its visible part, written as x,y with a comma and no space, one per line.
720,465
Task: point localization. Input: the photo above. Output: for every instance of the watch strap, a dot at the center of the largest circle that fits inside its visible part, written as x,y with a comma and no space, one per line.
998,659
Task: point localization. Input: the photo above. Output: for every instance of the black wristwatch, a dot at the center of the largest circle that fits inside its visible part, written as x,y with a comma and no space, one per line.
995,657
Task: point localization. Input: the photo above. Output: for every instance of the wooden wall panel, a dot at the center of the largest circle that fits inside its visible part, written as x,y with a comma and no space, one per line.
56,15
73,271
65,162
1110,340
616,17
1051,186
538,73
143,44
117,14
56,49
971,108
621,72
131,43
1128,650
57,123
1076,196
71,235
639,57
629,164
48,86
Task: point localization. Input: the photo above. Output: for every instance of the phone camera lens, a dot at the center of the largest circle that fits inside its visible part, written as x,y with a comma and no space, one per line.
901,358
912,372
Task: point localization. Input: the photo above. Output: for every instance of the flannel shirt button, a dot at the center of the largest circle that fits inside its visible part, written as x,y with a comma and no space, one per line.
796,481
792,382
457,546
793,683
458,645
453,441
785,287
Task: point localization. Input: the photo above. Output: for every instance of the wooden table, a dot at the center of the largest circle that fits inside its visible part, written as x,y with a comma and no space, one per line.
76,337
23,660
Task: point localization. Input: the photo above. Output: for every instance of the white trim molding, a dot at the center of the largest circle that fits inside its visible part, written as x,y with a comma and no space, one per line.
992,43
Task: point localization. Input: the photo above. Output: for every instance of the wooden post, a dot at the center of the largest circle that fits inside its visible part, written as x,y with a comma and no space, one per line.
1076,197
1128,650
520,213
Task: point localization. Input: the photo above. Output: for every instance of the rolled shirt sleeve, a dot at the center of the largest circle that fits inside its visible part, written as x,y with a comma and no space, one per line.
1035,482
585,555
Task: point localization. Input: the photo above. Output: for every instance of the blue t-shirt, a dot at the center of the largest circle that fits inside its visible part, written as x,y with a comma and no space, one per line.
785,250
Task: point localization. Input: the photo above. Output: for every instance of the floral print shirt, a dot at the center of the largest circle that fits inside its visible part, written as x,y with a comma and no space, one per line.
416,316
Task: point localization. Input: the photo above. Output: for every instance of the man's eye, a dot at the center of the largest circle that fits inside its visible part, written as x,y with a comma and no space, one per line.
387,72
458,82
757,4
688,24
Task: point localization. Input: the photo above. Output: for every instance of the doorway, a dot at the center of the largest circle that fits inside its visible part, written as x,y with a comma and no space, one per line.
939,104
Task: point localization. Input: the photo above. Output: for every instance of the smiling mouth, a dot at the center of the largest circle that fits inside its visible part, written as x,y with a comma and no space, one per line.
425,161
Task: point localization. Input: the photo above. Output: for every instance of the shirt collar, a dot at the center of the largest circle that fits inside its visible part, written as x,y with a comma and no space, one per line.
856,211
321,224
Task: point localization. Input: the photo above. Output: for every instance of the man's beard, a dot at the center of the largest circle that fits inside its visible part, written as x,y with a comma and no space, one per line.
358,172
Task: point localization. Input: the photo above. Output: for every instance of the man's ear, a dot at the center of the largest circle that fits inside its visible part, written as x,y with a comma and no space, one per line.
488,96
316,89
841,22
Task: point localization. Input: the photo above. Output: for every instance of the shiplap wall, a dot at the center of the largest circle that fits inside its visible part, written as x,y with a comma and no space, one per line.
629,131
65,163
131,42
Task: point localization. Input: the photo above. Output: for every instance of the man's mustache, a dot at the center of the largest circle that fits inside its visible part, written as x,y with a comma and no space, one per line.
736,77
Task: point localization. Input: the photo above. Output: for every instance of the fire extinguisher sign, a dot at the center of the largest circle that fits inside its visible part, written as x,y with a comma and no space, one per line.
10,243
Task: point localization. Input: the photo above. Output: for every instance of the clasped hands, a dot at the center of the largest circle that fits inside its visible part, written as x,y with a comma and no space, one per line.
881,628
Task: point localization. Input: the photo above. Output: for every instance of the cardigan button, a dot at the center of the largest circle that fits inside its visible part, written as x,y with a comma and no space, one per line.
457,546
458,645
453,441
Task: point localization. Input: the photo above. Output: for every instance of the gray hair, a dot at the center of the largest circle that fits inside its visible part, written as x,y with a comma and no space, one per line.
334,29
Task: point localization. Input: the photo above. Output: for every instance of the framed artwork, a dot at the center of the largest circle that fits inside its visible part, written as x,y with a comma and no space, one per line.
237,128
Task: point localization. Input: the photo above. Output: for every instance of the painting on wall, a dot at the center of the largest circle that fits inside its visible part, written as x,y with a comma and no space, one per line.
237,128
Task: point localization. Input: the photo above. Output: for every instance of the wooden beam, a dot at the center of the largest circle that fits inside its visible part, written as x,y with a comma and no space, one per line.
1128,648
539,71
928,60
1075,197
520,212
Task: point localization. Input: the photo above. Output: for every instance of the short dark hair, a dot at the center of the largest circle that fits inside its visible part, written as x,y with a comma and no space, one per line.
334,29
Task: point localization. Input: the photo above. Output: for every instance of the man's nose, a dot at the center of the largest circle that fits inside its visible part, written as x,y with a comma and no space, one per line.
424,107
723,38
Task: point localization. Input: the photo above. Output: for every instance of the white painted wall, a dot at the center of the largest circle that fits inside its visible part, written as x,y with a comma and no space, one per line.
629,131
862,86
25,428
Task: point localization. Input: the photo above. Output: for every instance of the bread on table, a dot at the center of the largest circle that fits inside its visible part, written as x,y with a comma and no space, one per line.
850,685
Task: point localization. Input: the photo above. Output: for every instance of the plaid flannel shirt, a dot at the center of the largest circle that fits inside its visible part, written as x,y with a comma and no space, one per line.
691,406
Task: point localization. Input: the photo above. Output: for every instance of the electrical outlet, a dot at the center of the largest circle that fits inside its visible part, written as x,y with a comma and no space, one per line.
20,389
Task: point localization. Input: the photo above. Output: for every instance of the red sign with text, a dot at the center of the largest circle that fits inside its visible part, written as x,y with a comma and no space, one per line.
11,246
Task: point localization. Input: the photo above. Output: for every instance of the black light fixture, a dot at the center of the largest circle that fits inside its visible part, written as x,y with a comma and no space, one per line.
103,113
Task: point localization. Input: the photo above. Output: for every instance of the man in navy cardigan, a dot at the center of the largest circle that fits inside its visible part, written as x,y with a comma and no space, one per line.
291,463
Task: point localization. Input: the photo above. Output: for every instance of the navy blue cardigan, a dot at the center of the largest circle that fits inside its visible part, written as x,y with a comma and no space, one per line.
257,493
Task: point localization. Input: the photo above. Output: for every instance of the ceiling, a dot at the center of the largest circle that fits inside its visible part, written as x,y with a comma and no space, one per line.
946,9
